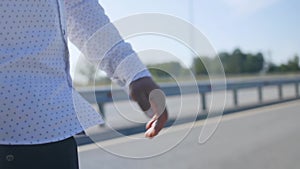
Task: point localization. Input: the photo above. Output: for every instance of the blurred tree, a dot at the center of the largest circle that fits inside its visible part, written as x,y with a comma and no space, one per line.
198,66
225,59
291,66
163,70
239,62
87,73
234,63
88,70
253,63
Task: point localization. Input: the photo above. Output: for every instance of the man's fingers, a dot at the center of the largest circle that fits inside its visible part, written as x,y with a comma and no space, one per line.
155,125
150,123
160,122
152,131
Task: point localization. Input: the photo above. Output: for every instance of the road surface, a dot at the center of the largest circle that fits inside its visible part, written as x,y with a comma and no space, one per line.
263,138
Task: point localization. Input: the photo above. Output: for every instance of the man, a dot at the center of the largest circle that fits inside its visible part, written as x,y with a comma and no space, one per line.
40,111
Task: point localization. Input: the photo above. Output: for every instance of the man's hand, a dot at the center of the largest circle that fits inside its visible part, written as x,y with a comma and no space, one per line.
143,92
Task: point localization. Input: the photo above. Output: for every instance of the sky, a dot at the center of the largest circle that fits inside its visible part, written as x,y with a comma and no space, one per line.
268,26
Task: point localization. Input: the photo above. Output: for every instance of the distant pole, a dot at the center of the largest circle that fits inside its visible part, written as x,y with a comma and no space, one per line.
270,55
270,62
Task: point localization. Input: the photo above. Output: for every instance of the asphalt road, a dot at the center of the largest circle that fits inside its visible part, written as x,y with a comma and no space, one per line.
264,138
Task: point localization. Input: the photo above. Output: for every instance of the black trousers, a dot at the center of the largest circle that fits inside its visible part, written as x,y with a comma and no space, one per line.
57,155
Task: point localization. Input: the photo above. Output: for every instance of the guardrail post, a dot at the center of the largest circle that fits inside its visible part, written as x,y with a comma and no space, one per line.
297,89
101,109
260,95
203,98
235,97
280,91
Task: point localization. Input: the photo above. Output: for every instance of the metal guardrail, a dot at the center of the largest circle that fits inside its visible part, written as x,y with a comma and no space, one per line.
106,95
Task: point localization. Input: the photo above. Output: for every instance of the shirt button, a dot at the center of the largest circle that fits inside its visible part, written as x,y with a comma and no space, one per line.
10,158
64,32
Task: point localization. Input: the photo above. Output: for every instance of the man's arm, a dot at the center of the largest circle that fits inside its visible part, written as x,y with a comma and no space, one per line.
100,42
91,31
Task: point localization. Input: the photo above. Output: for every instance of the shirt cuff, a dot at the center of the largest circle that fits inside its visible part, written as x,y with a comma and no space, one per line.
129,69
144,73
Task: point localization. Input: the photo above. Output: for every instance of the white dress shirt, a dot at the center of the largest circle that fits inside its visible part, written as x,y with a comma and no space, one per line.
38,102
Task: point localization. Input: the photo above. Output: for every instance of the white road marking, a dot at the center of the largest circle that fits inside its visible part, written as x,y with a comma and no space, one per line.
172,129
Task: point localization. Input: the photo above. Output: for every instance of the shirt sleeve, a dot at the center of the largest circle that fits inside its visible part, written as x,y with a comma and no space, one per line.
98,39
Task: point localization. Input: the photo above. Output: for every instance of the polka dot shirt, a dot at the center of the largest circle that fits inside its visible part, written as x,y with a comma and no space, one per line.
38,102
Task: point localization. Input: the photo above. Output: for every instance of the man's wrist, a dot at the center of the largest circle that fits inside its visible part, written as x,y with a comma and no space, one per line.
144,73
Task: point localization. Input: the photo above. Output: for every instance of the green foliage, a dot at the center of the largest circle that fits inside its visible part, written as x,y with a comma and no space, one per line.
235,63
204,65
291,66
239,62
165,70
198,66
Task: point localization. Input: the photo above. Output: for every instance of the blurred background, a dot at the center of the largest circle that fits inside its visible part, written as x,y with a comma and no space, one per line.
258,44
263,35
